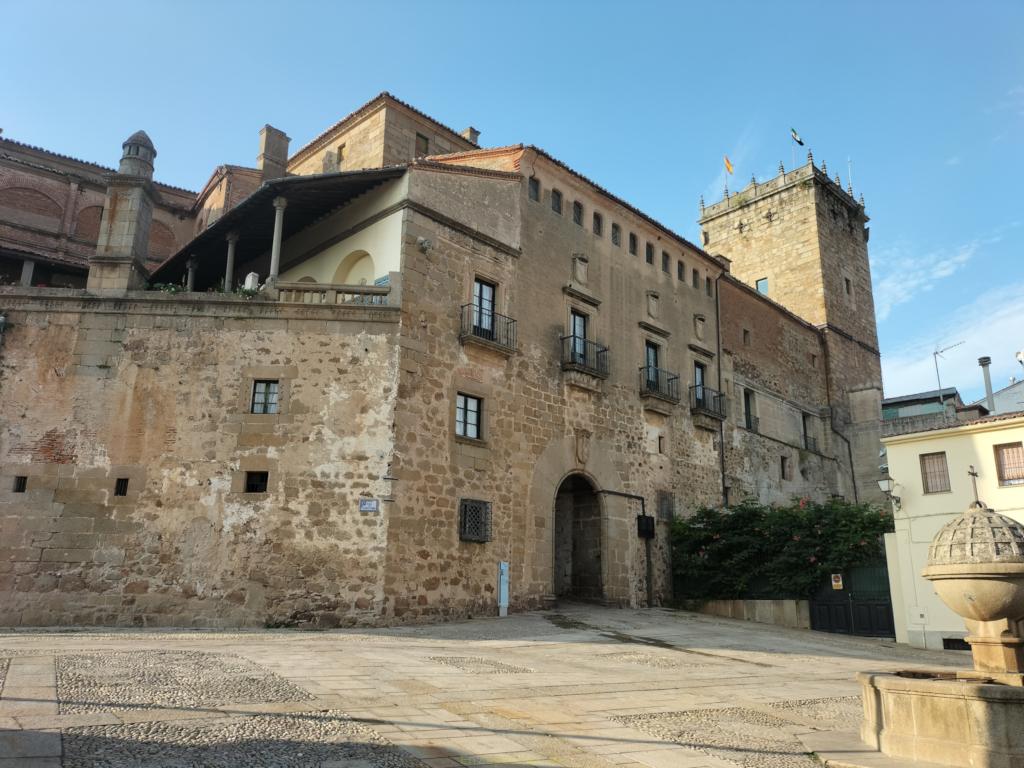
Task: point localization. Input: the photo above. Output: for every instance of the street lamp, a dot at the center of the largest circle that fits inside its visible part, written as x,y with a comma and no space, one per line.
886,485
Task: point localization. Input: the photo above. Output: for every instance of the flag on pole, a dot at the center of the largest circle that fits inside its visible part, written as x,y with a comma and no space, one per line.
728,165
796,136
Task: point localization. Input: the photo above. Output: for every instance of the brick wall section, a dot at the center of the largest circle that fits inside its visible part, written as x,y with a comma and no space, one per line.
156,389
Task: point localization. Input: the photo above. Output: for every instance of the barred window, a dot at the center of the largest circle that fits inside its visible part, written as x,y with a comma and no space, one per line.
468,416
264,396
1010,463
577,213
121,486
632,243
534,188
556,201
474,520
20,483
598,224
649,253
616,234
934,472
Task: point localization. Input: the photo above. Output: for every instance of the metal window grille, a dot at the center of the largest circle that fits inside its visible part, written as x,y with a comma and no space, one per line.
934,472
616,234
474,520
1010,463
632,243
649,254
264,396
556,201
680,270
665,262
468,412
256,482
577,213
121,486
598,224
20,483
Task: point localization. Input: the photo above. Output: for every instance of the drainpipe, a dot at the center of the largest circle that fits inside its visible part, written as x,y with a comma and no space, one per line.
647,542
721,423
990,399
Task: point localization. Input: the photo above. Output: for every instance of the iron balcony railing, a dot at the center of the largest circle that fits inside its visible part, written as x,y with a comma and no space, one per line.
581,354
751,423
811,443
707,401
659,383
487,326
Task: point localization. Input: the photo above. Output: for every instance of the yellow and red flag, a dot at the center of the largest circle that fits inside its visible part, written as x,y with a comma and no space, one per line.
728,165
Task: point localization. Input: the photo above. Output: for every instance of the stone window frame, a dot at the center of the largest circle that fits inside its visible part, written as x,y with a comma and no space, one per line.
425,140
587,310
577,213
557,201
597,224
533,189
616,235
634,244
500,299
283,374
271,396
666,262
247,464
463,385
649,253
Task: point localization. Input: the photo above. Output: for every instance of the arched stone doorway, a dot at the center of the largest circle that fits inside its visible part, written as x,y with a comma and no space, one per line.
577,540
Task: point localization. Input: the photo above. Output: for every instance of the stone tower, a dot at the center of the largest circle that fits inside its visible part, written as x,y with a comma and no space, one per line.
121,249
801,239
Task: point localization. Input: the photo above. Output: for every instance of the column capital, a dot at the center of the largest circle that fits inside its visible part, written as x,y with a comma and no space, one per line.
280,203
232,236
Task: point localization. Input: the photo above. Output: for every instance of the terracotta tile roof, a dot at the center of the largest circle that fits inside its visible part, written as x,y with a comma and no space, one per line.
967,423
365,108
97,166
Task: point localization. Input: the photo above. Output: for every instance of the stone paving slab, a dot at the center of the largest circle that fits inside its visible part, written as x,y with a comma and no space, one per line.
578,688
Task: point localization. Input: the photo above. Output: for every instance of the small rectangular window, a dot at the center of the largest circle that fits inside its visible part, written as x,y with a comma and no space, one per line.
1010,463
934,472
422,145
121,486
849,286
649,253
762,286
680,271
341,153
20,483
577,213
598,224
709,287
632,244
696,279
556,201
534,187
616,234
786,468
256,482
814,361
746,337
474,520
469,416
666,262
264,396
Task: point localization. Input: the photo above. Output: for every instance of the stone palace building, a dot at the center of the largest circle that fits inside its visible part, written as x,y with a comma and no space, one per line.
452,357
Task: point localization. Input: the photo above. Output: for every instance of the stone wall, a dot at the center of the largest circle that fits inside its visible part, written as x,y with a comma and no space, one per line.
155,390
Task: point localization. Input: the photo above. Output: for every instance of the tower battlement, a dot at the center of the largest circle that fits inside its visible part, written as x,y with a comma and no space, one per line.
755,191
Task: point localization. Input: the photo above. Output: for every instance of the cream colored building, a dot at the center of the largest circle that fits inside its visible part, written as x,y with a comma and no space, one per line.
930,470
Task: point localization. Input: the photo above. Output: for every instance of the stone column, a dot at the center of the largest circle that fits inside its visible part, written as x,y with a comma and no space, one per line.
229,269
190,280
275,250
27,268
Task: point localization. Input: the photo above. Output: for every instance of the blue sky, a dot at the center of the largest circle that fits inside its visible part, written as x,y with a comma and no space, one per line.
926,98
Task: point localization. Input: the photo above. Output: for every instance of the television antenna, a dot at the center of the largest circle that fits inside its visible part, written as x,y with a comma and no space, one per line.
936,355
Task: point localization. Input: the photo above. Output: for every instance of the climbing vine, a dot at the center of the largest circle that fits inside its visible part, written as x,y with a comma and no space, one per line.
772,552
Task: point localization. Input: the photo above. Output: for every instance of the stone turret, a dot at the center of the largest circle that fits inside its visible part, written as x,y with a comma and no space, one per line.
121,249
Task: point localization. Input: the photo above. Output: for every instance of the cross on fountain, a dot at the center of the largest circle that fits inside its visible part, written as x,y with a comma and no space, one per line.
974,481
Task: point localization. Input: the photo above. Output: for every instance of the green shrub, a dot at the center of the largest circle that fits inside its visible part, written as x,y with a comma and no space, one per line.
773,552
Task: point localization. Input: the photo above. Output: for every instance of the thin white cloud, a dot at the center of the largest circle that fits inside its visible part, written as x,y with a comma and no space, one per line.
990,325
954,160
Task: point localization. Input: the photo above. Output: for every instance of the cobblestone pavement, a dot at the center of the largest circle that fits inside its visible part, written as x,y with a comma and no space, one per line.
583,687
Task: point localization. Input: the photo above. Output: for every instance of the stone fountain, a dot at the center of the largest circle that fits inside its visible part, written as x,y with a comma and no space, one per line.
969,718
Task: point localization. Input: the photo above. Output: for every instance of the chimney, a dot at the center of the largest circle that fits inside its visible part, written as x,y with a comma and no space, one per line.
990,401
471,134
273,156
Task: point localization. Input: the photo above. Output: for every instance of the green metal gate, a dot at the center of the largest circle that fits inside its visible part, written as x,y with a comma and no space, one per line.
861,606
